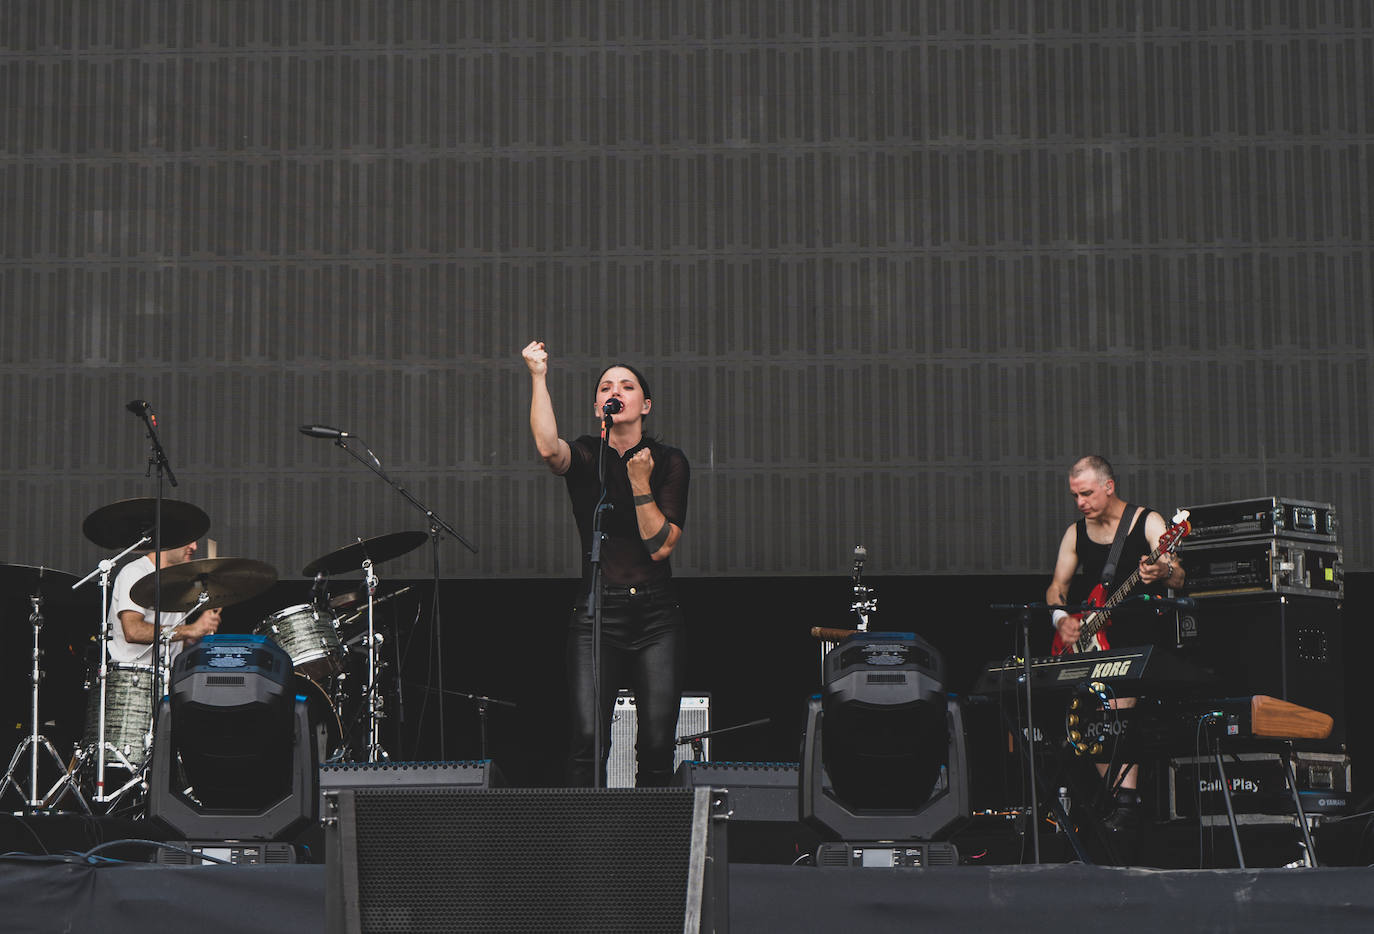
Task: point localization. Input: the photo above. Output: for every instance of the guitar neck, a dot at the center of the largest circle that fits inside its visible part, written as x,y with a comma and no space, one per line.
1094,621
1099,617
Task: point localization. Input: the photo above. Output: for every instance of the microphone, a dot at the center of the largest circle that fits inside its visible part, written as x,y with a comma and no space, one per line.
860,555
142,408
612,407
323,431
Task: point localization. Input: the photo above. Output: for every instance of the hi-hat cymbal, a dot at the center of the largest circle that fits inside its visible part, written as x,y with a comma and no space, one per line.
123,523
379,549
224,580
45,582
20,582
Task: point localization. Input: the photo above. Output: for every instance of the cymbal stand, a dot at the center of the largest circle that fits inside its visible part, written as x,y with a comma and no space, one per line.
105,570
162,669
375,713
35,739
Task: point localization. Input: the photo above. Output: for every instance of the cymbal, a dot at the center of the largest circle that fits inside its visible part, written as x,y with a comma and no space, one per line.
122,523
18,582
35,579
379,549
225,580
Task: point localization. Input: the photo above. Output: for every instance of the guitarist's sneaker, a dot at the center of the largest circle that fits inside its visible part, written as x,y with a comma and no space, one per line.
1125,817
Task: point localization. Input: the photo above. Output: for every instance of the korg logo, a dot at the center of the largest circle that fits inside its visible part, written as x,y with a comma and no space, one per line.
1237,784
1111,669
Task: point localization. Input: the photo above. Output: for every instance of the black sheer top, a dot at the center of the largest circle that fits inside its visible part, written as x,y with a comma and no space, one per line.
624,559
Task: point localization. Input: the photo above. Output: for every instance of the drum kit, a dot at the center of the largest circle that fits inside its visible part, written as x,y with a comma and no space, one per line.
118,733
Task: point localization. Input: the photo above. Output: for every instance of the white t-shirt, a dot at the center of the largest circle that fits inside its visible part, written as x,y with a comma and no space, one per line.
121,650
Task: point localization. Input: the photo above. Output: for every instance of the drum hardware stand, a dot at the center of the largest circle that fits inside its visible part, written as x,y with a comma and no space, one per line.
375,713
436,526
865,601
35,739
138,774
105,569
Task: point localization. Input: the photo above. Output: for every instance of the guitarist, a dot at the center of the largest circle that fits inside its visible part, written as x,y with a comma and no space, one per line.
1085,550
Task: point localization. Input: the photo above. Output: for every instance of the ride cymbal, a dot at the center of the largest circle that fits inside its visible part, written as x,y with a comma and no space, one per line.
122,523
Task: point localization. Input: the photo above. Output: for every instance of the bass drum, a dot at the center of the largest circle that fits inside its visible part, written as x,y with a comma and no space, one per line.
128,715
324,719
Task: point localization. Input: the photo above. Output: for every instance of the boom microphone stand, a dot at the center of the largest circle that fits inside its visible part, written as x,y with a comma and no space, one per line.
436,526
157,458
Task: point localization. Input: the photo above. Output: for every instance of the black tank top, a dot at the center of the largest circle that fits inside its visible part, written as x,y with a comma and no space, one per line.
1132,623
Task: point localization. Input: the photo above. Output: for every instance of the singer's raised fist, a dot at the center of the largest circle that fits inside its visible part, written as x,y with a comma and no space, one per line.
640,466
536,357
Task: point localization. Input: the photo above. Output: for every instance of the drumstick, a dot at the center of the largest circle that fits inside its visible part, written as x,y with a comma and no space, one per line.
832,635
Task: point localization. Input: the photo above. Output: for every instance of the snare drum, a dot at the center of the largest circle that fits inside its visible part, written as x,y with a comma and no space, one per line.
128,714
309,637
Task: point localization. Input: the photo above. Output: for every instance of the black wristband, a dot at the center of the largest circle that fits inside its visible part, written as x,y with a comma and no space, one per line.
655,543
644,499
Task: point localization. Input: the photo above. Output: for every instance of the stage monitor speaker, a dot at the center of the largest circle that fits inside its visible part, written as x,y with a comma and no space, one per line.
760,799
1289,647
463,773
694,716
524,859
759,791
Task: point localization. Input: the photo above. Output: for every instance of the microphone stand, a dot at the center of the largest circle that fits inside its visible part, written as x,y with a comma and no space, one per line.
157,458
594,602
436,526
1027,742
483,703
695,740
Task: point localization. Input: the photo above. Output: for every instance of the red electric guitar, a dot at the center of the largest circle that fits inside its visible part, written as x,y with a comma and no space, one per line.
1090,636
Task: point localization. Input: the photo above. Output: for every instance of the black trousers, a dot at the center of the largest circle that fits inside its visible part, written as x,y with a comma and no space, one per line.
643,649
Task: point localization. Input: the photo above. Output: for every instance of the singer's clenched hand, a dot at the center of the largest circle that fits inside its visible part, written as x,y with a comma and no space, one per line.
536,358
639,467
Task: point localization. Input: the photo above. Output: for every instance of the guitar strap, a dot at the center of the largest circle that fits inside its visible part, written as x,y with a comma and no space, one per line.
1118,543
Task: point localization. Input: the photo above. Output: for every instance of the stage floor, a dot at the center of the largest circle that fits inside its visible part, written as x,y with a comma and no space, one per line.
114,898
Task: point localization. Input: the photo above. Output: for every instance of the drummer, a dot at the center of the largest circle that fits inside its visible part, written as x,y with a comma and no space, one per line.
131,626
